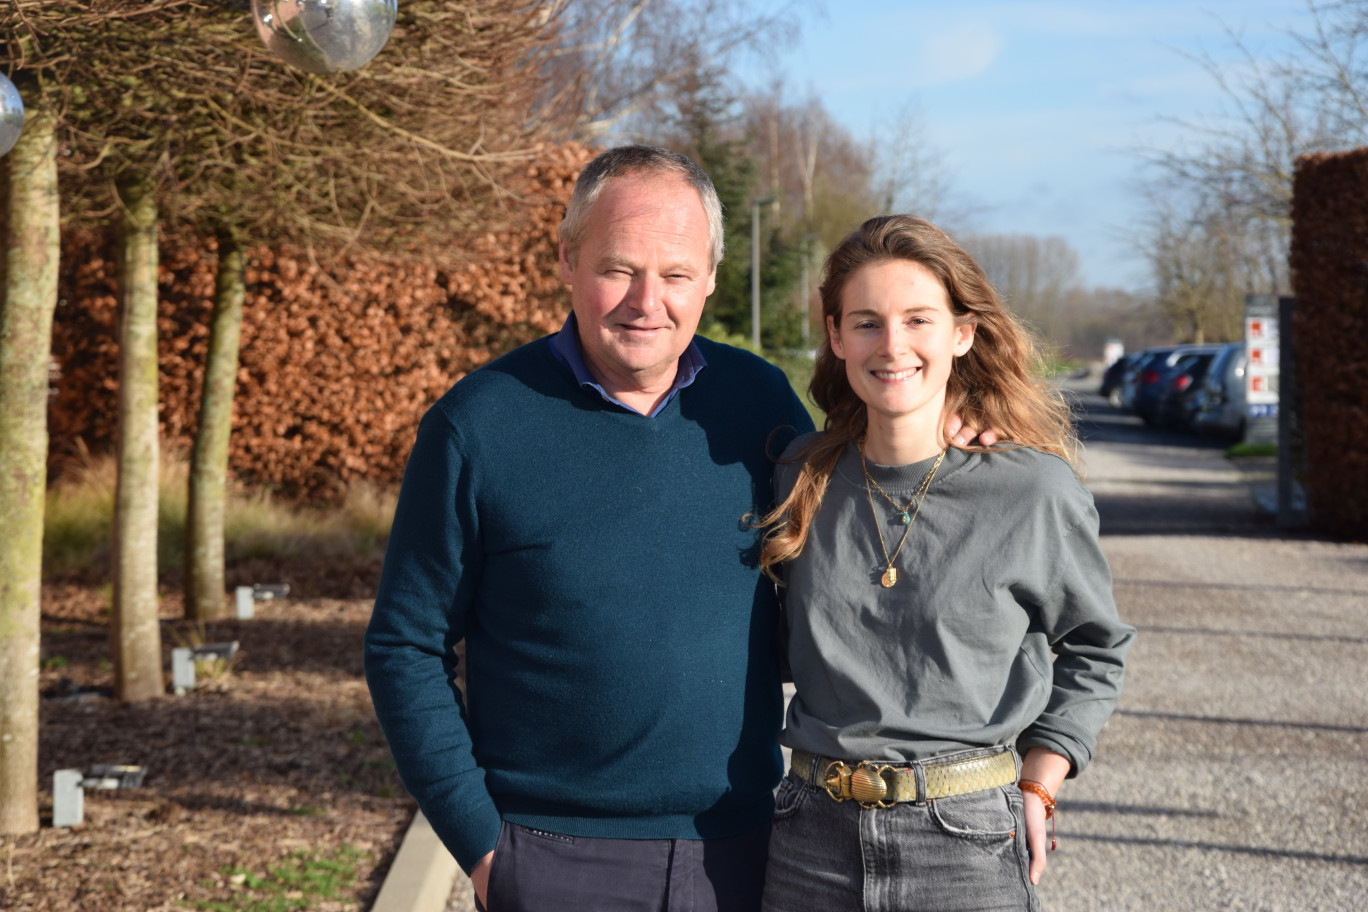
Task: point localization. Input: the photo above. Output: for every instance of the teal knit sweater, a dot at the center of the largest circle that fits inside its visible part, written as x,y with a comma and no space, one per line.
621,676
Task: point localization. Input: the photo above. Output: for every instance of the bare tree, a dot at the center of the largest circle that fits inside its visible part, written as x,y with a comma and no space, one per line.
1195,258
627,57
28,283
1095,316
910,171
207,496
136,630
1237,169
1036,276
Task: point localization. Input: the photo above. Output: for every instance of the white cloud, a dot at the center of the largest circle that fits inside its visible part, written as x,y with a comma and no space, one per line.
961,51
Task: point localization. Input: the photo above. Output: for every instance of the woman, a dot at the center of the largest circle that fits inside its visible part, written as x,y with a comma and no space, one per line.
946,608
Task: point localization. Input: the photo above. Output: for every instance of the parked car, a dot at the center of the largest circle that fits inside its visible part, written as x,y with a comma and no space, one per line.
1219,404
1130,382
1174,406
1154,372
1113,376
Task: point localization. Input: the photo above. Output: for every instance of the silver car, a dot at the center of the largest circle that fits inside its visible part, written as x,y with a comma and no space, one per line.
1220,403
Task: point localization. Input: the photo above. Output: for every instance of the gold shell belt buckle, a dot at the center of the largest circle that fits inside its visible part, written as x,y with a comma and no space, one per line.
869,787
865,783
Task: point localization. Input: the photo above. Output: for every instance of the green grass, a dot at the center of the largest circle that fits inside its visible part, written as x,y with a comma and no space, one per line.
79,522
79,518
1051,365
1252,449
298,883
308,810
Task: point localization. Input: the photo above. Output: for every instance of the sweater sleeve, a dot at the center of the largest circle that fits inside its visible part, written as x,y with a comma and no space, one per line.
431,572
1087,637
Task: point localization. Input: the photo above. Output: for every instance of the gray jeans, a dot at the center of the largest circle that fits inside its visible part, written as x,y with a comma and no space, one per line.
963,853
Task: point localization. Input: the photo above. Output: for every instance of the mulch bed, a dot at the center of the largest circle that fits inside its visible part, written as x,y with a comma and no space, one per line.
277,765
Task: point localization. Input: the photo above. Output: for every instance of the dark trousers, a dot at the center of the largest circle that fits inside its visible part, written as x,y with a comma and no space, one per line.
536,871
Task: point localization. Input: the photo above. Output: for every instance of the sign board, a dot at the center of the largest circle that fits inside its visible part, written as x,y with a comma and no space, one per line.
1261,374
1262,337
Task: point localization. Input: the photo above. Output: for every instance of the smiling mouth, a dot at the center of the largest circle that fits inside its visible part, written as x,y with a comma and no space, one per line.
895,376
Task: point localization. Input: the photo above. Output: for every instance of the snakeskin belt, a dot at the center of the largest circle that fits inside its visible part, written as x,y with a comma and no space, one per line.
880,784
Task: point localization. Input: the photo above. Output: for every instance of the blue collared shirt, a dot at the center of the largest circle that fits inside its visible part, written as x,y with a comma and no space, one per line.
565,346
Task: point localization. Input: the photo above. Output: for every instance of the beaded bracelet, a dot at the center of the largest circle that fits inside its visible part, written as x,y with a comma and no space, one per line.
1041,792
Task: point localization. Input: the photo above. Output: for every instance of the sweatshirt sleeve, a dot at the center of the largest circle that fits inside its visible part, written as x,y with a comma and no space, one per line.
1086,635
431,572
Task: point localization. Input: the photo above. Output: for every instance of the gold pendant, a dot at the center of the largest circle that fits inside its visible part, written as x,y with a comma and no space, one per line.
889,578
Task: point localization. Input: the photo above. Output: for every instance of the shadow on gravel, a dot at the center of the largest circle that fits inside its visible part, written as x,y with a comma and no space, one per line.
1355,860
1263,723
1278,635
1136,810
1188,586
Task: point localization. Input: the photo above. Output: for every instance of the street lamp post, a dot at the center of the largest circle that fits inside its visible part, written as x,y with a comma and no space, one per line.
755,266
807,289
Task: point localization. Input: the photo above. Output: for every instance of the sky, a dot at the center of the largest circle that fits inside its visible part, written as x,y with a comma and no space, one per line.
1038,109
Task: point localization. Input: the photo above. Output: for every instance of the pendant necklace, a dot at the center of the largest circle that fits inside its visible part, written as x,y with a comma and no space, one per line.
907,514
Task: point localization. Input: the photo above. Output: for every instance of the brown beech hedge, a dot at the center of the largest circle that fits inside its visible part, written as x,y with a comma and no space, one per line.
1330,332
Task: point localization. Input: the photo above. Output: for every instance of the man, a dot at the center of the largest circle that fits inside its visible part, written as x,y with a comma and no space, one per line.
574,512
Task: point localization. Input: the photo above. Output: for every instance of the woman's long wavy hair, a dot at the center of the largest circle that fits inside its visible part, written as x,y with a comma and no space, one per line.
997,384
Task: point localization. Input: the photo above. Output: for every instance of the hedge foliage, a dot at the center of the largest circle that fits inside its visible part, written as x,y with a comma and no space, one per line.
338,361
1330,332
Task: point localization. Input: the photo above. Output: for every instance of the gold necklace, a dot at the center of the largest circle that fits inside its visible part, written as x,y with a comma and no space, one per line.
890,574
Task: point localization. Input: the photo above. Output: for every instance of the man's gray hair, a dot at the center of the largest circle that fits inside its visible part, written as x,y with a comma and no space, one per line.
639,159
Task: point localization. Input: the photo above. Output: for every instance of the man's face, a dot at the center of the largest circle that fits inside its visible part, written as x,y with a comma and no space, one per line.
639,280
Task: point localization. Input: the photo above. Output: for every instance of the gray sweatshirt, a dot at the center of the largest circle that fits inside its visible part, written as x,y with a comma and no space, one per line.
1001,628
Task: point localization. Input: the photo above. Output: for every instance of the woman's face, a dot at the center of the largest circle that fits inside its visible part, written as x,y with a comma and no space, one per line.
898,338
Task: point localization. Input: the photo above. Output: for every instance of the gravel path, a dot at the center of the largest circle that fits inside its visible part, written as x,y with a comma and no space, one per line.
1233,775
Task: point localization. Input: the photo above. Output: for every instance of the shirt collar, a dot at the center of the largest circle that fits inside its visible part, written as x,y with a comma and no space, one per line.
565,347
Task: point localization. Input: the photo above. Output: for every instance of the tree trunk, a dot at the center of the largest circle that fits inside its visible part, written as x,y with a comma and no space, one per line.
28,283
136,631
205,587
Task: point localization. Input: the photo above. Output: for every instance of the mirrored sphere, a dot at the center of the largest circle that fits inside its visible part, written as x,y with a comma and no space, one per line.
11,114
325,36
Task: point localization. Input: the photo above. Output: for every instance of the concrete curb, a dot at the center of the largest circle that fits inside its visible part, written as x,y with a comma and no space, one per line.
423,873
